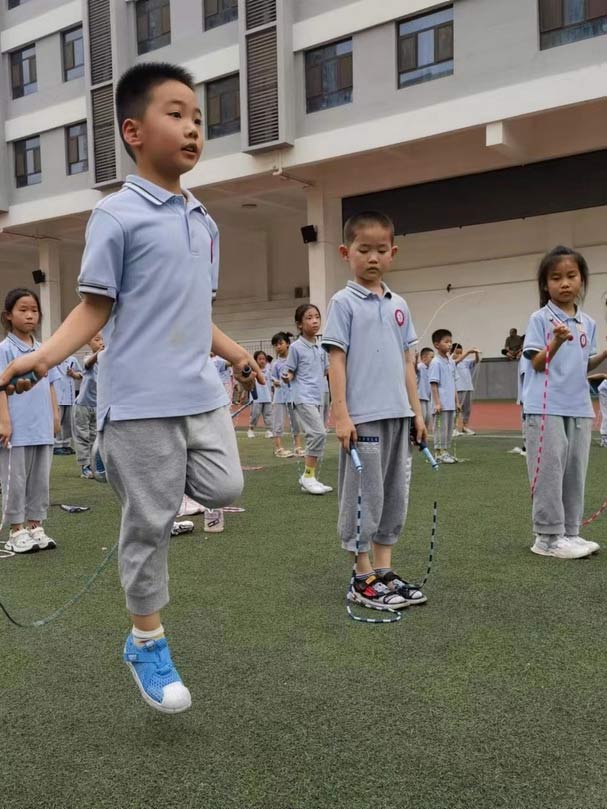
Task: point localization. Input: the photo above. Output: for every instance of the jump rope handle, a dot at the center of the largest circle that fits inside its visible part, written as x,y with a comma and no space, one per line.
31,376
423,448
246,372
355,457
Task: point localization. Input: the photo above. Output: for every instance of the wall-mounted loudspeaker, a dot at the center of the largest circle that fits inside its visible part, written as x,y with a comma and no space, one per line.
39,276
309,234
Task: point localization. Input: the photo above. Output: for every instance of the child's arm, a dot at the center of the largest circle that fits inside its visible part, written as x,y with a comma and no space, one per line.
561,335
412,393
55,410
289,370
79,327
474,351
6,427
597,377
344,426
435,397
595,361
237,357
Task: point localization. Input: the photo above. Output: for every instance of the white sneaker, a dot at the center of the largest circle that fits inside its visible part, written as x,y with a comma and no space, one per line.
446,458
21,542
515,451
584,543
182,527
269,434
456,433
468,431
326,488
42,540
558,547
523,453
189,507
213,521
312,486
250,434
283,453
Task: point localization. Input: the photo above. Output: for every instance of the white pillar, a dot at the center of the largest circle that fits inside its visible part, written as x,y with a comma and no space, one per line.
50,290
328,272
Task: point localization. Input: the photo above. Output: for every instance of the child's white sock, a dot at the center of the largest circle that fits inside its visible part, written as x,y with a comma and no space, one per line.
141,636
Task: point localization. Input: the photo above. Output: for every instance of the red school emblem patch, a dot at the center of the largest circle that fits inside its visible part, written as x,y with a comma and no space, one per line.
400,317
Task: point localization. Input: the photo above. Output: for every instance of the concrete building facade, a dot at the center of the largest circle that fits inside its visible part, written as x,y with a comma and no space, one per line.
479,125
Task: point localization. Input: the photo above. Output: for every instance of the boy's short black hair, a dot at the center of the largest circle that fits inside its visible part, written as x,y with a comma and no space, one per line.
438,335
364,219
425,351
456,346
135,85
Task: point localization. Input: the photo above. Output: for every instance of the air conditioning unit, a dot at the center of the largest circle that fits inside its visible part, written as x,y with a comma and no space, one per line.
301,292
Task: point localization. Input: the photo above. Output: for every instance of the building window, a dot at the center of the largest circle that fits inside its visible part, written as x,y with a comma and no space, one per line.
564,21
73,54
425,47
24,79
15,3
153,24
77,149
219,12
223,107
28,170
329,76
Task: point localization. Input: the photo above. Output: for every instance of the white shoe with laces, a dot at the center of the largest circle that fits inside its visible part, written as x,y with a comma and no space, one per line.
584,543
446,458
250,434
558,547
21,542
42,540
269,434
468,431
312,486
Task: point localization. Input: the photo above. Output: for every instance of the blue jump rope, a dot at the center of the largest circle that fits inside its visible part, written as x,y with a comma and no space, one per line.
395,616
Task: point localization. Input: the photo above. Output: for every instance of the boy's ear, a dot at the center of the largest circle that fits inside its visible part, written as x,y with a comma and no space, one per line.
344,251
394,250
131,132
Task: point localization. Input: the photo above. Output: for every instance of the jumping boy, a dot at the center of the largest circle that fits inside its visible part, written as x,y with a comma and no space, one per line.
370,339
444,396
149,270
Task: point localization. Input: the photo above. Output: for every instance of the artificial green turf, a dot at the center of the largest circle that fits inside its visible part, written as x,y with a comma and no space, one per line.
492,695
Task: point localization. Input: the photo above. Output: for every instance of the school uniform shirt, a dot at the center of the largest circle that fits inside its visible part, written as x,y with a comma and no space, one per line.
568,392
155,254
223,369
423,382
463,374
283,394
31,412
65,389
264,392
308,362
442,371
374,331
87,396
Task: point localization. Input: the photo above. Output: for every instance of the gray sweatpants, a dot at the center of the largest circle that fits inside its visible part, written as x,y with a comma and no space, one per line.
383,447
150,463
263,409
64,439
443,429
28,487
282,412
465,398
84,423
558,502
427,413
313,428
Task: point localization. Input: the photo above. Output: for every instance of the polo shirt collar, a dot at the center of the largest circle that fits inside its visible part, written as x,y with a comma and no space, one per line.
158,195
20,344
362,292
563,315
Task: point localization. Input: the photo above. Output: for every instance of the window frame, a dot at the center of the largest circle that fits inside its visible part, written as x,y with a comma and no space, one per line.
552,33
220,13
339,59
214,135
436,28
147,44
25,180
64,42
20,90
83,161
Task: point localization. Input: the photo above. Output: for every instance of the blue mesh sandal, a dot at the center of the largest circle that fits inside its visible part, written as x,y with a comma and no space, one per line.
156,676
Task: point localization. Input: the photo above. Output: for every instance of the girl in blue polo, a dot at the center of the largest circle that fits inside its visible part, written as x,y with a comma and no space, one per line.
28,424
560,347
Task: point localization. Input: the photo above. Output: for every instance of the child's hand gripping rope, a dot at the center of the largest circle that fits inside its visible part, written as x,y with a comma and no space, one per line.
423,448
20,383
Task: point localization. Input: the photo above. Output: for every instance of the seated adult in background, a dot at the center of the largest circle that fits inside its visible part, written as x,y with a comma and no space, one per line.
513,347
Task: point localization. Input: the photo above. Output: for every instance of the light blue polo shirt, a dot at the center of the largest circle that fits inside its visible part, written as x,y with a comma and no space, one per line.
87,397
374,331
309,363
284,393
423,383
31,412
156,255
442,370
223,369
65,389
463,374
264,392
568,390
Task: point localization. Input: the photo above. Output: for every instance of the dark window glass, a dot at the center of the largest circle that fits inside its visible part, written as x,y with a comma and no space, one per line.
77,149
28,169
24,79
329,76
219,12
73,54
425,47
565,21
153,24
16,3
223,107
